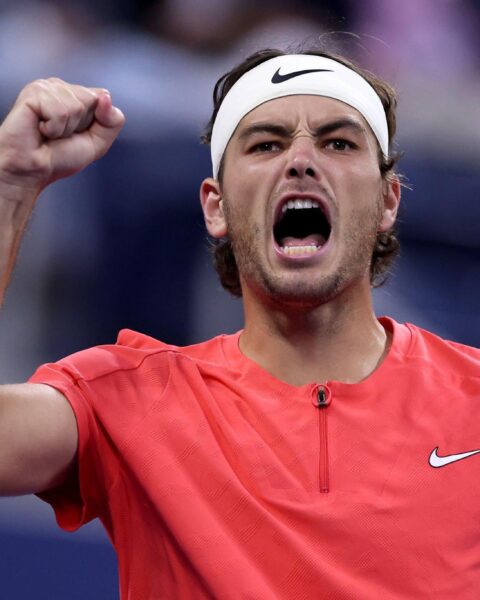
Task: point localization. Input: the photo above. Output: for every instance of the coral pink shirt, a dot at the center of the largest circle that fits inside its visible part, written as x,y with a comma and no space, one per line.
213,479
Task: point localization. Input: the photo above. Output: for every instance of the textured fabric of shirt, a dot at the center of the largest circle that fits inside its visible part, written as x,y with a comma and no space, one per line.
216,480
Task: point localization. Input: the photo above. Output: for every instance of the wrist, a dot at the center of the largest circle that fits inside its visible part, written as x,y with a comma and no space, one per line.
17,186
17,197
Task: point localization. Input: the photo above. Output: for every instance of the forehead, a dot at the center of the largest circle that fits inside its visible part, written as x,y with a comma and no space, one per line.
293,111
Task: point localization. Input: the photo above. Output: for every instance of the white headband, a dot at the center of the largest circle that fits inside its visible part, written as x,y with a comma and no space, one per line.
296,74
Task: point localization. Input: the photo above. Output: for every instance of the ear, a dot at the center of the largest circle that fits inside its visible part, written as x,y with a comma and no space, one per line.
391,194
212,206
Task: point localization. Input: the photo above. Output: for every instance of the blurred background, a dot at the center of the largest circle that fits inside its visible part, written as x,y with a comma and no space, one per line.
123,243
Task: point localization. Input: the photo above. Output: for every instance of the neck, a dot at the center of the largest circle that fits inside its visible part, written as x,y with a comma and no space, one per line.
340,340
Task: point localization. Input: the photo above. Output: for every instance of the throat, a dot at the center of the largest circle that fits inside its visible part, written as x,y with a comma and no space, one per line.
299,351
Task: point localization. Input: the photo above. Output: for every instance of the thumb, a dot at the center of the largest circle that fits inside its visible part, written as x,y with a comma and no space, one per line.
107,124
106,114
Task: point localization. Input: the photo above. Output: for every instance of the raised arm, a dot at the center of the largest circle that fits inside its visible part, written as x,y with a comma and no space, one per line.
53,130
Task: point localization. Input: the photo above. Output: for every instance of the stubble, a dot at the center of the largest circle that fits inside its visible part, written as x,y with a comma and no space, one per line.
297,287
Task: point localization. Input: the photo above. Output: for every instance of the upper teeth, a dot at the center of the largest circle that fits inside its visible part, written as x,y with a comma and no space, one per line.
300,203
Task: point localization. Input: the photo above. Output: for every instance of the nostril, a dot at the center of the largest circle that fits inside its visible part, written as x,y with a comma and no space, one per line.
293,172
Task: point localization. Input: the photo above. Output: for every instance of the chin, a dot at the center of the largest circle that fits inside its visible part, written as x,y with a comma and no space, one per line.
297,293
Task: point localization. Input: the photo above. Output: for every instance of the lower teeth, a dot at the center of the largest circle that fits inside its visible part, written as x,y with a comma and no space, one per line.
297,250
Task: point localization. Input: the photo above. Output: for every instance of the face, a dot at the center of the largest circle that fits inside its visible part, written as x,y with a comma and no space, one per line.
302,200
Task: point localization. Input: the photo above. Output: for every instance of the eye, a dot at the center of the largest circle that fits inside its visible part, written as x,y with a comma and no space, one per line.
265,147
340,145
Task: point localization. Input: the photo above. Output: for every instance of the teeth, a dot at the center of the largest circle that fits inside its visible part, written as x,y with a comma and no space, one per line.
299,250
299,204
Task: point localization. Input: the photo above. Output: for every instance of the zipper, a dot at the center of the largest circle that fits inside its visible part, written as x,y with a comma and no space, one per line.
322,401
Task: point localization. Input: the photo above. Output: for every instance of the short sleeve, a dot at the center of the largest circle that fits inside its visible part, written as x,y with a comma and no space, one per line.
111,389
82,497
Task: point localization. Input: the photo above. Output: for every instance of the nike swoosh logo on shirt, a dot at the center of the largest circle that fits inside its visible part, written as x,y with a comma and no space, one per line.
440,461
277,78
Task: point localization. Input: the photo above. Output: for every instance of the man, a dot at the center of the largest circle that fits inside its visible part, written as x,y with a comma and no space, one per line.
320,452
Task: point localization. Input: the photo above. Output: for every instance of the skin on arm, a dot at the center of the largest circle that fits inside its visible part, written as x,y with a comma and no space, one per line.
53,130
38,434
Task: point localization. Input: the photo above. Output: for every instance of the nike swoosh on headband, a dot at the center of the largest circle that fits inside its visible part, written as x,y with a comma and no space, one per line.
440,461
277,78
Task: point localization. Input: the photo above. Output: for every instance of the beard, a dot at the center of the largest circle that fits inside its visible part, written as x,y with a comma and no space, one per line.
296,288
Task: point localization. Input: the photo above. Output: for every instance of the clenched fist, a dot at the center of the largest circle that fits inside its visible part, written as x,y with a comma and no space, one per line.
53,130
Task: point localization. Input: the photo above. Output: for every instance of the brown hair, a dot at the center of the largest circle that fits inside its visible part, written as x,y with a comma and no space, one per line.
387,245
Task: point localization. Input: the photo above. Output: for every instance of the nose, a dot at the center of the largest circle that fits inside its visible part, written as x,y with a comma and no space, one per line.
301,161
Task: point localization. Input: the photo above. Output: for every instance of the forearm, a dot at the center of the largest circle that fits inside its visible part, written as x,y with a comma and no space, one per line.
16,205
54,129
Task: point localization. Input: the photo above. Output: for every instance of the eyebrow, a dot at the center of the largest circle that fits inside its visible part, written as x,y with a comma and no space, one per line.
283,131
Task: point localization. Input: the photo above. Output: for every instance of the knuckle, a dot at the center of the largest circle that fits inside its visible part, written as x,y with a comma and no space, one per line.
40,82
62,114
38,85
55,80
77,109
90,94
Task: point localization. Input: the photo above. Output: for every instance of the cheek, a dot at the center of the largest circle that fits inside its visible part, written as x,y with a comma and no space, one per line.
237,212
245,199
248,176
363,188
360,203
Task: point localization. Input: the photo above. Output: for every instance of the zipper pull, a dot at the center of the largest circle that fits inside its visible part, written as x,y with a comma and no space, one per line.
323,396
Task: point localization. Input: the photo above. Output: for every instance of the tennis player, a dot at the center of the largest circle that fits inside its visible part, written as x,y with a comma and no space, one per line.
318,453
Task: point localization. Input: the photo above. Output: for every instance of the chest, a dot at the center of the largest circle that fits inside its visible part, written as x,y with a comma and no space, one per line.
348,482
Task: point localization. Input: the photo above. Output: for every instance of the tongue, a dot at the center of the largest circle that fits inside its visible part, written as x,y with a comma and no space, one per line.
314,239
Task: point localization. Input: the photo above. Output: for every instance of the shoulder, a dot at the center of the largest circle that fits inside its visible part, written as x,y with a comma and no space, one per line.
134,351
128,378
443,353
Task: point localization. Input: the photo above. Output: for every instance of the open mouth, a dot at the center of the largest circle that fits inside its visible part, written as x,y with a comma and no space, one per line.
302,227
